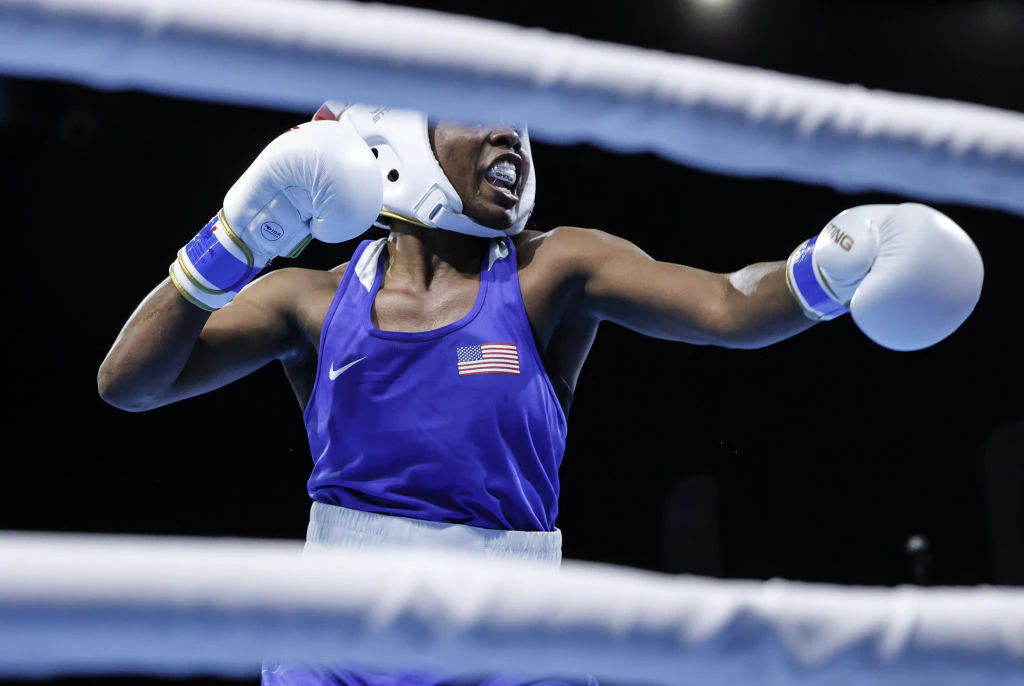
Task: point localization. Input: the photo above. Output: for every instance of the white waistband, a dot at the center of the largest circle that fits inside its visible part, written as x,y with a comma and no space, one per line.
333,526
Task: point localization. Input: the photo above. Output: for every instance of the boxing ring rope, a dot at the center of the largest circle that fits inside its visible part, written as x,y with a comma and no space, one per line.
120,604
294,54
98,604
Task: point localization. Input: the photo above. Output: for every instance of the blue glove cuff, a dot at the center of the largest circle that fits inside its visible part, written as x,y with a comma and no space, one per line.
212,267
209,258
808,287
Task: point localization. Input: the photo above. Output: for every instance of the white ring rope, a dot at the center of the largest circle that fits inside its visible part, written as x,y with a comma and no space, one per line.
294,54
121,604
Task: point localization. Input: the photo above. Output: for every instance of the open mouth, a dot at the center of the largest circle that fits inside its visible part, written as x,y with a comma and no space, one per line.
504,175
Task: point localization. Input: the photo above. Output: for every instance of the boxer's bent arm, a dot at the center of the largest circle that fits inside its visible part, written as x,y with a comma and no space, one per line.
169,349
749,308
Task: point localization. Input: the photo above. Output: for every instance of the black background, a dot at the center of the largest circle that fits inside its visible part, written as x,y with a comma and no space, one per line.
829,450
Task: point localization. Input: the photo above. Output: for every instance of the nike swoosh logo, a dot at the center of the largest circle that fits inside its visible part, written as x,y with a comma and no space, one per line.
335,373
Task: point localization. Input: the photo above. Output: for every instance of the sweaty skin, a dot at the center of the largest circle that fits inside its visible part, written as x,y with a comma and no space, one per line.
571,280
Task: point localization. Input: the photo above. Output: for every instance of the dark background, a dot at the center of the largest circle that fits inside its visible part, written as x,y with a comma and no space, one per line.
815,459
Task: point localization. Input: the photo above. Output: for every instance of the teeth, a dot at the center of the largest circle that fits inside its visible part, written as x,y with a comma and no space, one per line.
503,172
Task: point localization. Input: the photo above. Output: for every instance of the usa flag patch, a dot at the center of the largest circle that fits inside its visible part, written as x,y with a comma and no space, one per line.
488,358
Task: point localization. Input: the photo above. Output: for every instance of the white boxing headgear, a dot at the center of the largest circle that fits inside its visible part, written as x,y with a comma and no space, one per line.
416,189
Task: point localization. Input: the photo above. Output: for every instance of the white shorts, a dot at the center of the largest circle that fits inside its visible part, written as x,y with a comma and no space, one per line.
331,526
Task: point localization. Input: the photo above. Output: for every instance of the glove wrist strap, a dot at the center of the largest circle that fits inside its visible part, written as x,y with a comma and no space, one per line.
214,266
809,287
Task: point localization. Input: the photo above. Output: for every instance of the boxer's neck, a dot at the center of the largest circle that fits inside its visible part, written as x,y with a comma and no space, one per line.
422,256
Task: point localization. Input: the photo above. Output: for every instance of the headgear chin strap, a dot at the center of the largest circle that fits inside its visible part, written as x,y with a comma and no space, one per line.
416,189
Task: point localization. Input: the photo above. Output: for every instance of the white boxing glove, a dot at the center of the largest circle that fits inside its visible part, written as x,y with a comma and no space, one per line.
317,180
908,274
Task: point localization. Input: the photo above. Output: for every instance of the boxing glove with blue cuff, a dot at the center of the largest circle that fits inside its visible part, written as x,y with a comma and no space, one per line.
908,274
317,180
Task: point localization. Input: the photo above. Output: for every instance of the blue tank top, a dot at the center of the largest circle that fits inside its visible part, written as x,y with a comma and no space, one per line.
459,424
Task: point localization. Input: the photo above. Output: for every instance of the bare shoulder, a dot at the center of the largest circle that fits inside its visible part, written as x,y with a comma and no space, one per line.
554,269
574,249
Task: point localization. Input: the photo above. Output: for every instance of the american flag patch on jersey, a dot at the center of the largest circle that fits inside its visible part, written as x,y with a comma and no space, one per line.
489,358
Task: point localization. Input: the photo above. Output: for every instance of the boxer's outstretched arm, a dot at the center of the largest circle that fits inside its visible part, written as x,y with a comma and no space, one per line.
750,308
908,273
